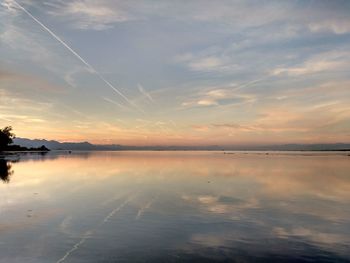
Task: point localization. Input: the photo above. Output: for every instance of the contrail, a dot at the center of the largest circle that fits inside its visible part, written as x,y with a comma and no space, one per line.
76,55
250,83
145,93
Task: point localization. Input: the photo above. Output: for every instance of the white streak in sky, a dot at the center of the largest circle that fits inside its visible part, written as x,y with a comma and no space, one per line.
250,83
91,68
115,103
145,93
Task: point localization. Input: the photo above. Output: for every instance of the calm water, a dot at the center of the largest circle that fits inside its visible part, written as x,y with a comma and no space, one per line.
175,207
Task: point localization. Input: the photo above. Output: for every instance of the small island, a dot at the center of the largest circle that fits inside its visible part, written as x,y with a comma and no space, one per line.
6,143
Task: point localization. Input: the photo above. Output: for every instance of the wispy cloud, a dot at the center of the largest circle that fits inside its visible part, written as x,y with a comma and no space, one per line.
214,62
337,26
324,62
28,83
16,108
219,97
89,14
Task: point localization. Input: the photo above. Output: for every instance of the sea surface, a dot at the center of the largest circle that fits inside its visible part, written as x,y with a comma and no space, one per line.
175,207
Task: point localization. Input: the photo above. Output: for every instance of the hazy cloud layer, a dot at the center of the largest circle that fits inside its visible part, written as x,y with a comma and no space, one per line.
199,71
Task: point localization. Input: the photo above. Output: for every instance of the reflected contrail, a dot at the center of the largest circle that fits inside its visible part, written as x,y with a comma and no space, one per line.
112,213
93,70
90,233
75,247
144,208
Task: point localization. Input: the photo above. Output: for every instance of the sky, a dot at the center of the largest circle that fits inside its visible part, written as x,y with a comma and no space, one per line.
237,72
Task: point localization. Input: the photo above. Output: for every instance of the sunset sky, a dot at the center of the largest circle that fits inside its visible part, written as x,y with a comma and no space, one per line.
176,72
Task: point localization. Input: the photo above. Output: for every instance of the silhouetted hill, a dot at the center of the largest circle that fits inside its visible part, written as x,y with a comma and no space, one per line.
86,146
55,145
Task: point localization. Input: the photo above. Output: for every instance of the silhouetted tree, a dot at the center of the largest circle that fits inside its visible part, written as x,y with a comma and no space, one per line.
6,137
6,140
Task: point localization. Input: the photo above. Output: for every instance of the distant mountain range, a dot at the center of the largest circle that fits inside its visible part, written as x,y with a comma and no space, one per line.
86,146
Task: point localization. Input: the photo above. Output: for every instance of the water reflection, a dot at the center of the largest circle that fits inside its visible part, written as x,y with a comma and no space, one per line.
5,170
176,207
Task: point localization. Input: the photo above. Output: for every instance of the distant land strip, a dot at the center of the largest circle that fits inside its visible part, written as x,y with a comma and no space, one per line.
86,146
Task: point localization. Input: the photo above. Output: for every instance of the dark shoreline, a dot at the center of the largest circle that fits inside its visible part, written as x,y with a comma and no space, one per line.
168,150
11,153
